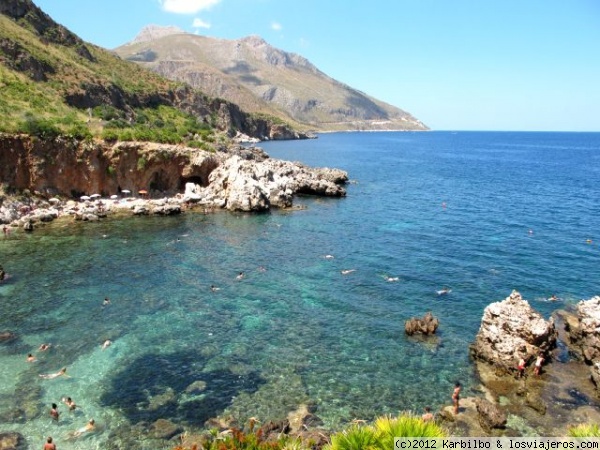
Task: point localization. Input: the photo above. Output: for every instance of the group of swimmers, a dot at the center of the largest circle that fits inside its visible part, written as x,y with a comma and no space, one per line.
90,426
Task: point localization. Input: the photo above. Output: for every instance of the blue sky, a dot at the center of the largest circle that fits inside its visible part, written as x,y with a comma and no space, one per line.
454,64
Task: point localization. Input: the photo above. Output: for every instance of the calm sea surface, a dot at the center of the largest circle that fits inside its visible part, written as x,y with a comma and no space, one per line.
480,213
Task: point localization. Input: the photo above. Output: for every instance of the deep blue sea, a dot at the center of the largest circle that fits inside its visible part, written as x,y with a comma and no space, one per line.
481,213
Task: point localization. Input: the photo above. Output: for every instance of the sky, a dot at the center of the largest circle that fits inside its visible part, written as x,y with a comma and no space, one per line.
515,65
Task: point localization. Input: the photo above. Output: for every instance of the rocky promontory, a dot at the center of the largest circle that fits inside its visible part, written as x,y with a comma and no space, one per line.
510,330
528,404
90,179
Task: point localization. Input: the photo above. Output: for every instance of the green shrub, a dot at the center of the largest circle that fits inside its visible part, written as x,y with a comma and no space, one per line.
79,131
356,437
40,127
141,163
584,430
380,436
407,425
110,135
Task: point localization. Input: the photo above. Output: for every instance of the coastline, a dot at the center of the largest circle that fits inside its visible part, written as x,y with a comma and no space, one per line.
450,300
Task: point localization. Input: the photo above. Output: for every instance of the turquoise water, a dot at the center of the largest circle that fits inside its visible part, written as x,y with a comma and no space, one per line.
481,213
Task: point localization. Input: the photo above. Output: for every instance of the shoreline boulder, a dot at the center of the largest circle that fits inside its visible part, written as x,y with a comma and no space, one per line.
512,329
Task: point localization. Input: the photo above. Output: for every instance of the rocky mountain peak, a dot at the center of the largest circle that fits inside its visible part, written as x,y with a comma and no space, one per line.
153,32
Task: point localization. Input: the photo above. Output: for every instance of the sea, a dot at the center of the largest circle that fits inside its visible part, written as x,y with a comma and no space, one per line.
318,317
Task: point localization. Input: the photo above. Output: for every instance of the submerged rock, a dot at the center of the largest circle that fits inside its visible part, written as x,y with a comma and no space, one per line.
512,329
12,441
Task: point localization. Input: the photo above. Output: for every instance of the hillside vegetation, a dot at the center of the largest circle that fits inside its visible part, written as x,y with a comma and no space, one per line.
53,82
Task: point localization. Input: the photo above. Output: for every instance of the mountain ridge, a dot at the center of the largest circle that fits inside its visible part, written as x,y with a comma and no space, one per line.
261,78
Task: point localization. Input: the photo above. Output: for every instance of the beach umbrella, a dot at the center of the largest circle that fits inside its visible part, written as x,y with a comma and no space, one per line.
143,192
54,200
114,197
95,196
125,191
84,198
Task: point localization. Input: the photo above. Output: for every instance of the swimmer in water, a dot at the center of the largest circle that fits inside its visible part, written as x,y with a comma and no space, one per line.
89,427
60,373
107,343
70,403
240,276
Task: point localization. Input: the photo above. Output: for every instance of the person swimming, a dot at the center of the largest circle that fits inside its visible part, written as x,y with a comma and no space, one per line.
214,288
60,373
69,402
107,343
240,276
89,427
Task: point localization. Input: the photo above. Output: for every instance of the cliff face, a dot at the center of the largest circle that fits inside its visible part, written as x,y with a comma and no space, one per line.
73,168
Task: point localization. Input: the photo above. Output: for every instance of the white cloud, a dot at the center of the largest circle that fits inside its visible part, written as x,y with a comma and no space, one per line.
276,26
199,23
187,6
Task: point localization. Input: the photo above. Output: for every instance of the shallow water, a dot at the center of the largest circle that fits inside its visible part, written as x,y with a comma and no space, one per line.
433,209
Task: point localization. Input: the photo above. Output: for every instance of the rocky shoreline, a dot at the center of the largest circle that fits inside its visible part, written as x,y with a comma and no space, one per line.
562,396
172,180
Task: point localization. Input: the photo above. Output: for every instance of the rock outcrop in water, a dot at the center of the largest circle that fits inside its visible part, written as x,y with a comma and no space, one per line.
583,330
512,329
427,325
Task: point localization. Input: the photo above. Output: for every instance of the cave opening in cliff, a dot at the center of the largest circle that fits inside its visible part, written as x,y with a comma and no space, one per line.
196,180
160,182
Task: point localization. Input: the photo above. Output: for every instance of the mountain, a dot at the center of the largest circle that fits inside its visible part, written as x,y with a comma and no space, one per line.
263,79
52,83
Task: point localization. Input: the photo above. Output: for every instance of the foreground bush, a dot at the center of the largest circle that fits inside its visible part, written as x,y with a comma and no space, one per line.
381,435
584,430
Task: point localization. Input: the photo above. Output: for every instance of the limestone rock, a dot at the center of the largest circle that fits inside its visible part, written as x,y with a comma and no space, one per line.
165,429
490,415
7,336
196,387
250,185
585,333
426,326
12,441
583,330
511,329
